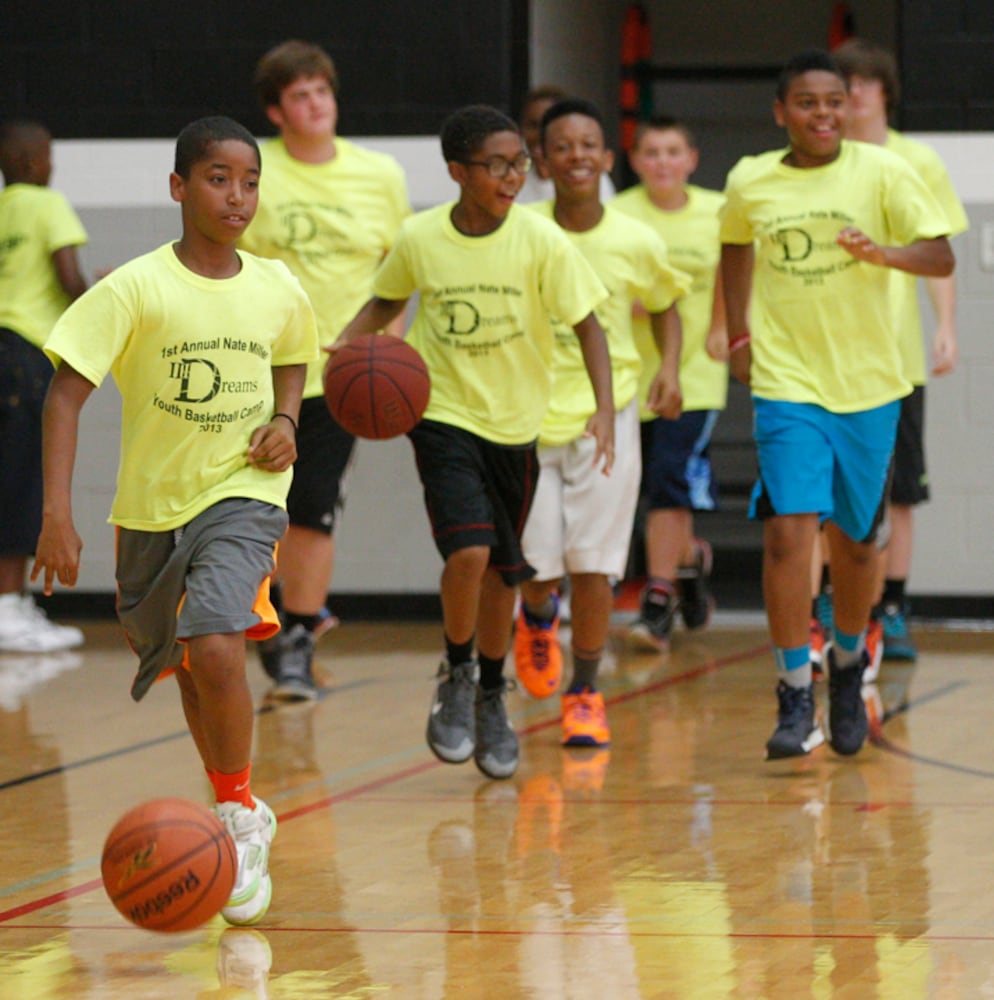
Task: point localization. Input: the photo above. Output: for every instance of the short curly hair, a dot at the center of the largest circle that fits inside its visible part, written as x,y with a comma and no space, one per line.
466,130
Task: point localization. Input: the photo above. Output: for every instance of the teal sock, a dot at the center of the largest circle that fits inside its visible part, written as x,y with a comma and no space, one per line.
794,665
848,647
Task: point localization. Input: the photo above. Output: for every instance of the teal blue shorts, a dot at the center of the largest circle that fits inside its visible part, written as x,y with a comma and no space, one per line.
813,461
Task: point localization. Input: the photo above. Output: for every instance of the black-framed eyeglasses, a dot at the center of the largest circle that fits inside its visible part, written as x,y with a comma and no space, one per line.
499,166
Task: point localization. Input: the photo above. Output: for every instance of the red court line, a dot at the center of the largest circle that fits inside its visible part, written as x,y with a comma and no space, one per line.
710,667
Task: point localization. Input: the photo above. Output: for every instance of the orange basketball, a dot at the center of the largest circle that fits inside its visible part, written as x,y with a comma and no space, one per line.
169,865
377,386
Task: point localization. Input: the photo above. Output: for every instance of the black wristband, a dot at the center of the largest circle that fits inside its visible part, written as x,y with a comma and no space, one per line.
288,417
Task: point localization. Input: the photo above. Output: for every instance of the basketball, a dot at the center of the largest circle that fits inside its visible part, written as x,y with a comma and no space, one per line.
169,865
377,386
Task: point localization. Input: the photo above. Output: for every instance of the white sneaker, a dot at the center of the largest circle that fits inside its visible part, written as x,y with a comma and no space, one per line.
25,628
244,958
252,831
21,673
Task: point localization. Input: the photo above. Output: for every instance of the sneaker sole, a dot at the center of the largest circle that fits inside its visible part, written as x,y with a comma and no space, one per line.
246,914
493,769
815,739
292,691
585,741
457,755
640,637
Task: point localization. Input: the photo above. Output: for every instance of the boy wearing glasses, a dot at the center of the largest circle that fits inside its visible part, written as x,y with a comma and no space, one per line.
489,274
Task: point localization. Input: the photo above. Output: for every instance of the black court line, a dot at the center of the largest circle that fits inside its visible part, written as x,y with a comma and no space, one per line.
880,741
159,740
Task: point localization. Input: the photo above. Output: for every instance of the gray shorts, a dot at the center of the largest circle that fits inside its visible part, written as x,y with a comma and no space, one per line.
201,579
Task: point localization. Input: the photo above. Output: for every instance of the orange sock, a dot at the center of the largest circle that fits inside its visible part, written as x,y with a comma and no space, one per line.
233,787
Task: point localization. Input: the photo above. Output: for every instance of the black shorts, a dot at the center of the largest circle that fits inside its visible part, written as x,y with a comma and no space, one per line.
477,493
324,451
676,462
24,376
909,486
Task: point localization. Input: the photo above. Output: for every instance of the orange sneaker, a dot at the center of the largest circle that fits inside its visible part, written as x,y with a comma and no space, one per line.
585,720
538,658
874,650
816,641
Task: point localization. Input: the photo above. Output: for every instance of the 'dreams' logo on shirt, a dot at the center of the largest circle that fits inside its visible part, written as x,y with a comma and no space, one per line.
463,317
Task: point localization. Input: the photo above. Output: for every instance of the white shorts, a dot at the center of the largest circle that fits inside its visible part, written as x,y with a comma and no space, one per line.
581,520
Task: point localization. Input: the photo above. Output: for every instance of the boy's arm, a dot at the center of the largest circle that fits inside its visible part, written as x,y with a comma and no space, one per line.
942,292
273,447
664,393
65,260
716,342
59,545
377,314
737,261
928,258
597,360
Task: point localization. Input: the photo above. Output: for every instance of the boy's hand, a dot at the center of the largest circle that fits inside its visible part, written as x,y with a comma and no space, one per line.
859,245
944,351
601,428
273,448
57,553
665,397
716,344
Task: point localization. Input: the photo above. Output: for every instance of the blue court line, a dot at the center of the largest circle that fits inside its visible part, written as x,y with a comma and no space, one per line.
158,741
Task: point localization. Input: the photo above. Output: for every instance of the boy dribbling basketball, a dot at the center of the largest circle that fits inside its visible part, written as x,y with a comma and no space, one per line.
489,274
208,347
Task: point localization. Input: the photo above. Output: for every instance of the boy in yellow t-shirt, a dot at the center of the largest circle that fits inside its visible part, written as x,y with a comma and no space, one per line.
677,476
489,273
811,234
581,521
209,348
39,277
330,210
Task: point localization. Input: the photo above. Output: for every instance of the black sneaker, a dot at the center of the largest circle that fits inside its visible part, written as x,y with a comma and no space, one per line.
451,730
654,624
695,598
294,680
847,723
269,655
797,731
496,753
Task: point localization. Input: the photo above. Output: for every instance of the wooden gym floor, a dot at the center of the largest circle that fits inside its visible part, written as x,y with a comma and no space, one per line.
676,864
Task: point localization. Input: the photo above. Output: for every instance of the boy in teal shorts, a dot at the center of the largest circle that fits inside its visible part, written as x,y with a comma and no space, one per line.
677,479
489,273
812,233
209,349
581,521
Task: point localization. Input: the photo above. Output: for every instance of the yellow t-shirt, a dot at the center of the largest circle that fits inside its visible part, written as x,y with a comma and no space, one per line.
331,224
632,262
482,324
193,360
822,324
692,239
930,168
34,222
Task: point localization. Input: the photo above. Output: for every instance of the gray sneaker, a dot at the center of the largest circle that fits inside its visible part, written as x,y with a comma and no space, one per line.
451,724
496,752
294,680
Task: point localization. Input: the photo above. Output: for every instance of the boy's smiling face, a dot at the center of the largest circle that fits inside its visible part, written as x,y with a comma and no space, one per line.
575,155
485,196
814,112
664,159
220,196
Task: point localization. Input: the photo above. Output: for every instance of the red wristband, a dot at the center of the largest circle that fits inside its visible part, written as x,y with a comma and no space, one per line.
740,341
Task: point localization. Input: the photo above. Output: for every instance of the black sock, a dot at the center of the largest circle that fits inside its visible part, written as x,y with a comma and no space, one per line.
894,592
491,673
291,618
584,673
826,583
458,652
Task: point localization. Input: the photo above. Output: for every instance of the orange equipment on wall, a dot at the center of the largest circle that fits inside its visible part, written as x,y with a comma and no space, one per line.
842,26
636,91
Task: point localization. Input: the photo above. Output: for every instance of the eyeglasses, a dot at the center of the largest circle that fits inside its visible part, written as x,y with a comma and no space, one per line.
499,166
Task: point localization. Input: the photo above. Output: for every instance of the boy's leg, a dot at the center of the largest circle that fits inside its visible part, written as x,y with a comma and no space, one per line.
496,752
584,714
538,657
451,731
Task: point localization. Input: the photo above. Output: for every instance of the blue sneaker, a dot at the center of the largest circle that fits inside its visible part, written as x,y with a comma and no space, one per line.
898,644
